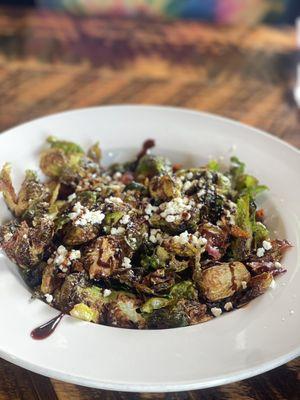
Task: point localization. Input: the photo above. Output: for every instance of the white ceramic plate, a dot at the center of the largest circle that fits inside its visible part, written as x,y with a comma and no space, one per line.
261,336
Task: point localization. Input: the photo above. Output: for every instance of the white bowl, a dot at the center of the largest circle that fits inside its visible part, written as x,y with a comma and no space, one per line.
247,342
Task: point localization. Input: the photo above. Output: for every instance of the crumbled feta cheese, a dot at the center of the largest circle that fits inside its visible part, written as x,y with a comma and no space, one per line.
175,207
117,231
170,218
203,240
189,175
74,255
201,193
244,284
187,185
117,175
216,311
63,268
61,254
260,252
126,263
106,292
273,284
125,219
90,217
183,238
77,210
72,197
7,236
228,306
155,236
48,297
186,237
267,245
277,264
150,209
113,199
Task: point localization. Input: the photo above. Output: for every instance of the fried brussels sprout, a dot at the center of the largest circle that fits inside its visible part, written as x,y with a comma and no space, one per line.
25,245
223,280
85,313
178,226
159,281
184,245
122,312
66,162
74,235
103,257
31,192
65,146
150,165
82,300
257,286
183,313
163,188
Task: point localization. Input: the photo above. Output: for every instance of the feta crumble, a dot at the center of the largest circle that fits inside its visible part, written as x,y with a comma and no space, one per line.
267,245
113,199
125,219
126,263
187,185
228,306
175,208
74,255
150,209
273,284
72,197
117,231
90,217
155,236
48,298
216,311
106,292
7,236
260,252
277,264
244,284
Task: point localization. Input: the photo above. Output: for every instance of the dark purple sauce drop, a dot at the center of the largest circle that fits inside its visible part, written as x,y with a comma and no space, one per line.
45,330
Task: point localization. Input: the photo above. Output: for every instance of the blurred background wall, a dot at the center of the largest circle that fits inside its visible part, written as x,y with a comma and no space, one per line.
218,11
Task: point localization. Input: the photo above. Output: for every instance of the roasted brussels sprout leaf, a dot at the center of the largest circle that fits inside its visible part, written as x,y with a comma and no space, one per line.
142,244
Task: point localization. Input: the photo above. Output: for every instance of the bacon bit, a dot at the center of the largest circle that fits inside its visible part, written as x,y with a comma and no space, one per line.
176,167
127,178
238,232
260,214
148,144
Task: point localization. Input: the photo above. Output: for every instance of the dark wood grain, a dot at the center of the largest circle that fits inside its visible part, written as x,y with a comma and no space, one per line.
53,62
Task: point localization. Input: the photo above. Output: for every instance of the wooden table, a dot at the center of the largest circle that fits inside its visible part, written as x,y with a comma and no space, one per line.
52,62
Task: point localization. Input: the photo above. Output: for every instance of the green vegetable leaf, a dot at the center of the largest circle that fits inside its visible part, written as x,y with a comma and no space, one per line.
241,246
65,146
155,303
183,290
213,165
